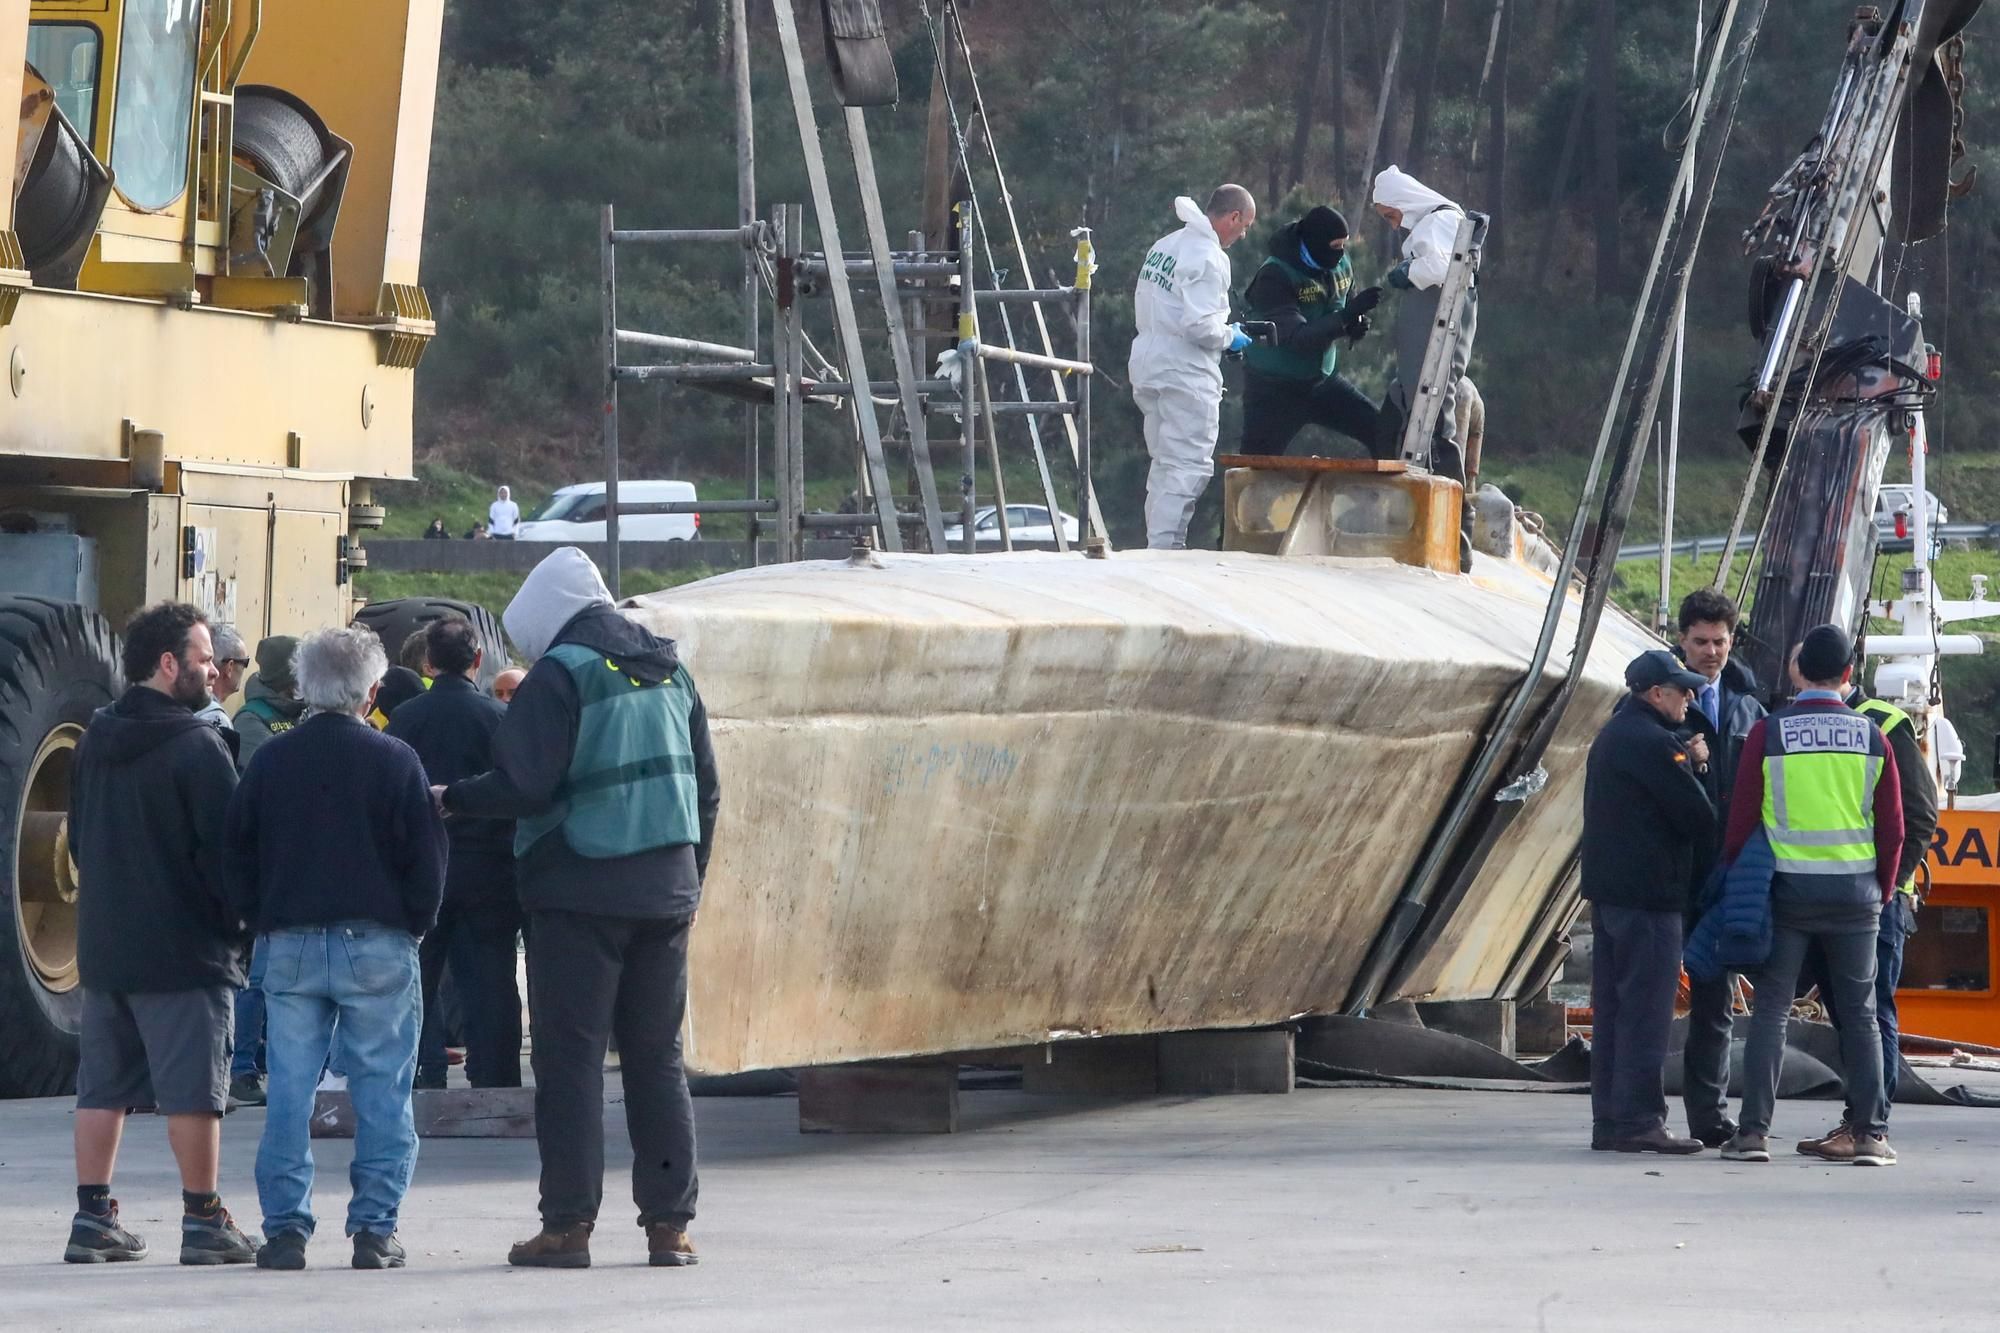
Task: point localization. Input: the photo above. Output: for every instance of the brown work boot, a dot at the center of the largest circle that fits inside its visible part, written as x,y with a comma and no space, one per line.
1659,1140
1811,1147
667,1246
558,1247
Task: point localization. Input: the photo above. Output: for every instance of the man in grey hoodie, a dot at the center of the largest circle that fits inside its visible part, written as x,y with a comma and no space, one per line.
604,761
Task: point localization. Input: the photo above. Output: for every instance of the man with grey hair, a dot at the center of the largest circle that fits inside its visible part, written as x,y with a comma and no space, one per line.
1181,317
232,663
336,857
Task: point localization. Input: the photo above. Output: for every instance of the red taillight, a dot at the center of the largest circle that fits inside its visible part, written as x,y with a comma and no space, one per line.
1902,524
1934,367
697,522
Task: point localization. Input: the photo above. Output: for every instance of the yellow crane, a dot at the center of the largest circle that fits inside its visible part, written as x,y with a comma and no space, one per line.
210,320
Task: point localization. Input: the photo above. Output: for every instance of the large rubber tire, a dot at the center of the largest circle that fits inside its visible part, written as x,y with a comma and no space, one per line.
395,620
58,665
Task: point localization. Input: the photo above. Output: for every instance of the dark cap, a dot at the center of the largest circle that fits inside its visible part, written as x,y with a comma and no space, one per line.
1318,230
1660,667
1825,653
274,662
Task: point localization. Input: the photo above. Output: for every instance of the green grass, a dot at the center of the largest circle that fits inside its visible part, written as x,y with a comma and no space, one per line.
493,589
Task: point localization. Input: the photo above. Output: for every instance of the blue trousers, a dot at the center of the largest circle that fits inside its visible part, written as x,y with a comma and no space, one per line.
249,1056
364,976
1635,968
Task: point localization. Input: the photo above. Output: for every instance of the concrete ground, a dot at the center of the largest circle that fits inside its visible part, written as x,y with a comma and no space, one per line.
1352,1209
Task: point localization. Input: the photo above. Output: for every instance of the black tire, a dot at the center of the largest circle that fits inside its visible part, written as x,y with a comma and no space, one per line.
58,665
397,619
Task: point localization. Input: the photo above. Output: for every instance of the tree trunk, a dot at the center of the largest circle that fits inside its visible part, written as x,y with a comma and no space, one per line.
1302,119
1387,88
1572,137
1339,43
1427,77
1604,101
1496,132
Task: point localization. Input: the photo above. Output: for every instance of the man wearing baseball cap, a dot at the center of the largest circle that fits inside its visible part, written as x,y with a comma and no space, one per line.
1648,827
1822,782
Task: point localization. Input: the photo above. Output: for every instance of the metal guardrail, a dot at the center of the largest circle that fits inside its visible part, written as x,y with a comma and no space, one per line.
1694,547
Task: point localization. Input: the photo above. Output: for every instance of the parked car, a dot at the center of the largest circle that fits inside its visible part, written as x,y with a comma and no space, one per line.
576,514
1896,501
1025,524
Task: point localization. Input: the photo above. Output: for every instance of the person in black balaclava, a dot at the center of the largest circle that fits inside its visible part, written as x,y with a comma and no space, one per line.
1305,287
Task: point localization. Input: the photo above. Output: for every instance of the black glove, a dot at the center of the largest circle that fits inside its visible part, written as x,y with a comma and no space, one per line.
1363,301
1355,327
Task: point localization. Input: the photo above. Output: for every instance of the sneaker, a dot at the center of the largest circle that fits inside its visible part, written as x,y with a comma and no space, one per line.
100,1240
1715,1135
1838,1146
1658,1140
215,1240
285,1251
372,1250
1743,1146
565,1247
667,1246
247,1089
1873,1150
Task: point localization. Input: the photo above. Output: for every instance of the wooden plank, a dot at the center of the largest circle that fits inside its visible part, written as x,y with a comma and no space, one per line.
879,1099
1100,1067
453,1113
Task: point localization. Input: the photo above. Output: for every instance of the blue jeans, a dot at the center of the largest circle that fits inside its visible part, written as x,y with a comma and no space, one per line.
364,975
249,1057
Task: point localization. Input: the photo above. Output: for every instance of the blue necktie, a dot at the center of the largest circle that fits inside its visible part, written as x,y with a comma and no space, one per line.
1709,705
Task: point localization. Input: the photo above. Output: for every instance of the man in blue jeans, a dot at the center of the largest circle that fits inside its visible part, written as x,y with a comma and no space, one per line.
337,857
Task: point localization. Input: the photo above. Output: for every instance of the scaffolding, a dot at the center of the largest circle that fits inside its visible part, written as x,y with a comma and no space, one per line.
794,376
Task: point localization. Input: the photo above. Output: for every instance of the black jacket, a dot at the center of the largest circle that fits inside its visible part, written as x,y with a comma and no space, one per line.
1919,792
334,822
147,801
1739,708
1271,296
1648,827
451,727
531,757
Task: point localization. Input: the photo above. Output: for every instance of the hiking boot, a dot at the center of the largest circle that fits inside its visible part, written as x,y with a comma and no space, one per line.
1715,1135
1812,1147
1658,1140
372,1250
100,1240
247,1089
215,1240
1873,1150
667,1246
285,1251
561,1247
1744,1146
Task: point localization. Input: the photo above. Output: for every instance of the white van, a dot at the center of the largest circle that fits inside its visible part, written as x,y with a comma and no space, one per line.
576,514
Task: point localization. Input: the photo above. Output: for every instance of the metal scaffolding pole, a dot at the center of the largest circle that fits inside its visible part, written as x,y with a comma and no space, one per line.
746,217
608,256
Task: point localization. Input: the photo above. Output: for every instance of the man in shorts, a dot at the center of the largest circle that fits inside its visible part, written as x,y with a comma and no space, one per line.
159,951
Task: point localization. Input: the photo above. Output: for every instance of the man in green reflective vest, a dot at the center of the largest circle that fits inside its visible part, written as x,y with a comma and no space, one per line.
1899,915
1821,781
603,759
1305,290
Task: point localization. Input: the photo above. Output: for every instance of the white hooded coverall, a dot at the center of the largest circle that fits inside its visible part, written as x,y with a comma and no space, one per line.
1431,223
1181,312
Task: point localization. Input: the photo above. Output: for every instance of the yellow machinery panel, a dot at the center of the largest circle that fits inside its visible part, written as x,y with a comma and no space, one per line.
305,591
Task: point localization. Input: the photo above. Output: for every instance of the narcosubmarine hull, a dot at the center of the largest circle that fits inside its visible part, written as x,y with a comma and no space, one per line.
974,802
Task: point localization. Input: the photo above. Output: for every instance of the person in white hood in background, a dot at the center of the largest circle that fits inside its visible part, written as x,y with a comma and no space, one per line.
1429,223
1181,314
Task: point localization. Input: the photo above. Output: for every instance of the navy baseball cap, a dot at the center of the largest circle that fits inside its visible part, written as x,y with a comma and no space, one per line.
1660,667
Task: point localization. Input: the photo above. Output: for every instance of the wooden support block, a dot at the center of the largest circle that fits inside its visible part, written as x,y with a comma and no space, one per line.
453,1113
879,1099
1257,1060
1541,1025
1097,1067
1488,1022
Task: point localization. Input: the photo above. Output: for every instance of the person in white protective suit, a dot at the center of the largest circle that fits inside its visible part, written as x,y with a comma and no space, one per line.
1429,223
1182,319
